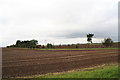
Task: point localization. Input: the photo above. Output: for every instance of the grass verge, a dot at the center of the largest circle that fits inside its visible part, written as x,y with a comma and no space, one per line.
70,48
106,71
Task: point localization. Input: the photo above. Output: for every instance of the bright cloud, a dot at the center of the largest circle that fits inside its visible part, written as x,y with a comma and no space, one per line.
57,21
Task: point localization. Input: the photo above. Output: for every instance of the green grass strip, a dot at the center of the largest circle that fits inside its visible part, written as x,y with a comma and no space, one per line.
104,72
79,49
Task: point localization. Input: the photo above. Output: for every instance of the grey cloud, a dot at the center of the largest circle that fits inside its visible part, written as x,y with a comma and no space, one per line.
101,34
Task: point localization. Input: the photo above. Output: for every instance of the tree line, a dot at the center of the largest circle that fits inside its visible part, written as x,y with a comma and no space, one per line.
25,44
108,42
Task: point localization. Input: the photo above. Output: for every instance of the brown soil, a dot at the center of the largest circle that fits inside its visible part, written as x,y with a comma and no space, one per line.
27,62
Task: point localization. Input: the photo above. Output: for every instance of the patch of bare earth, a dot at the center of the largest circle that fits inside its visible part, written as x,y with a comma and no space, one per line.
26,62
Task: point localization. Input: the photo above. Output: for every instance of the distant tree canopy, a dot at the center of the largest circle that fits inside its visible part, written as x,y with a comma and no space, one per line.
25,44
89,37
49,45
108,42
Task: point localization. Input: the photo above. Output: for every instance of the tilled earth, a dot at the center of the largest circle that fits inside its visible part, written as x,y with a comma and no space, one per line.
28,62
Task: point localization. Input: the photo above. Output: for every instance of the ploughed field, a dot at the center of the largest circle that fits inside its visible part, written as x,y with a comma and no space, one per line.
28,62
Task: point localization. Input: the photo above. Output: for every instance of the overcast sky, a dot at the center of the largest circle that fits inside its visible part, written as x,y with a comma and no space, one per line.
57,21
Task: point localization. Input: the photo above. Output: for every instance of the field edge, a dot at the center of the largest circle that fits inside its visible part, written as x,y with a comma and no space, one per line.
92,68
